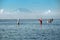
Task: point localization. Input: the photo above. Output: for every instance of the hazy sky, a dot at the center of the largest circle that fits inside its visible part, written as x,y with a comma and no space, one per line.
30,9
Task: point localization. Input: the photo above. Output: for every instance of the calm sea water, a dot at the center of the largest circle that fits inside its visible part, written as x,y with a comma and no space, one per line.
29,29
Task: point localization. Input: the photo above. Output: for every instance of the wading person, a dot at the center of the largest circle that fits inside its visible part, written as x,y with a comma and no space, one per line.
40,21
18,21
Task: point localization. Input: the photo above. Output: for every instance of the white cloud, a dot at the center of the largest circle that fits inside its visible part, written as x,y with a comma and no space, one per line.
1,11
48,12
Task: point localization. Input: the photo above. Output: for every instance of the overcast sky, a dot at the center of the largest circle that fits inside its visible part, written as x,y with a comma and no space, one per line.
30,9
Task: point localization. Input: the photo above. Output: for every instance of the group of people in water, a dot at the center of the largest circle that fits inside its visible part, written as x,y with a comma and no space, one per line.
48,21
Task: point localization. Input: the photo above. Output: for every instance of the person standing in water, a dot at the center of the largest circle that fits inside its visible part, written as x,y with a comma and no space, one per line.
18,21
40,21
49,20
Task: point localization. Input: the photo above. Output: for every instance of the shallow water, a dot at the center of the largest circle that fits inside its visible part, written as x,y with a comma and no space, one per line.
30,32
